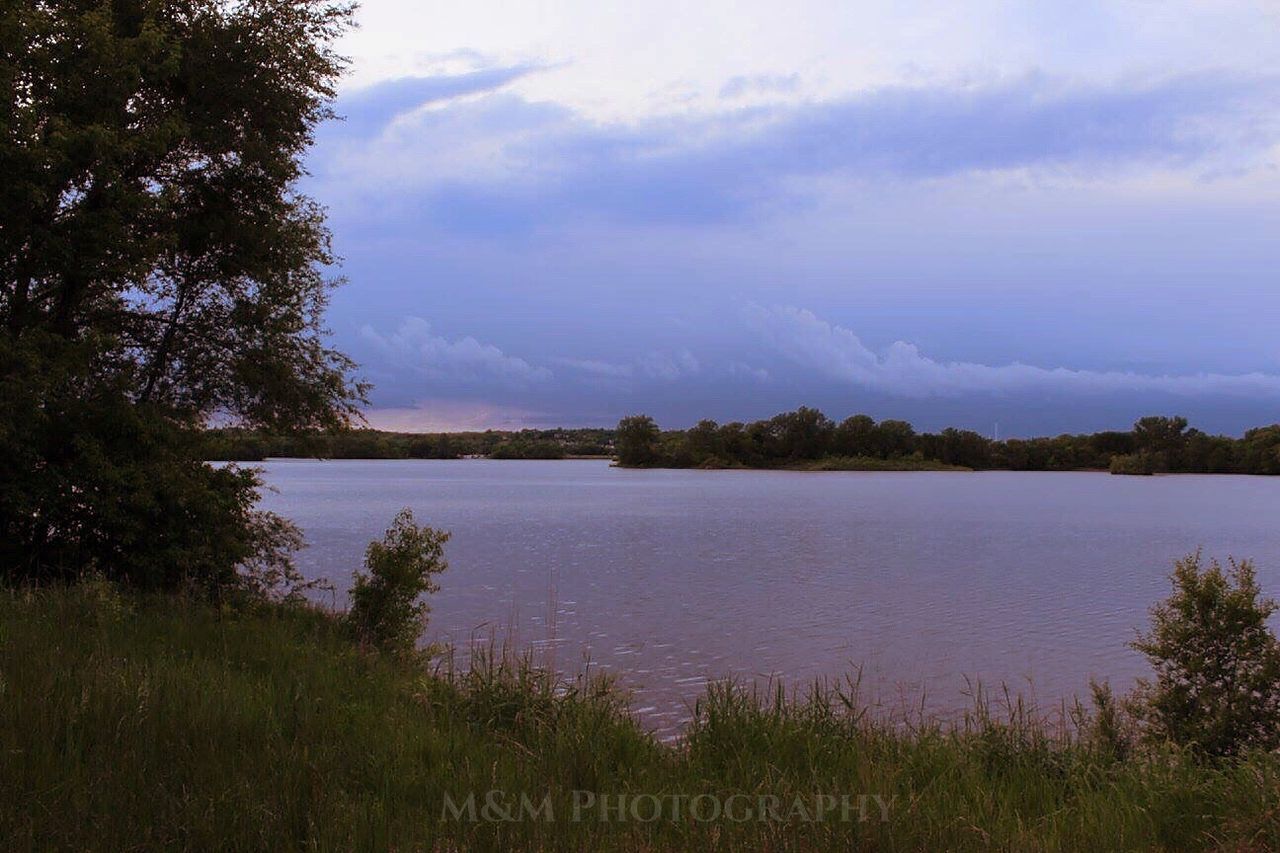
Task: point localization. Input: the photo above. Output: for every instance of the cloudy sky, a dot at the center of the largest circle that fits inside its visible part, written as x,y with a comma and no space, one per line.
1052,216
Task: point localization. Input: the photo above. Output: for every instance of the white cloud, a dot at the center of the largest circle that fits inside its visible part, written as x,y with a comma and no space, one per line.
766,84
622,61
414,345
809,341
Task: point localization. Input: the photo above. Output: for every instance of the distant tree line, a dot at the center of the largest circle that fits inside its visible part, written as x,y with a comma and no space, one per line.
247,445
808,438
805,438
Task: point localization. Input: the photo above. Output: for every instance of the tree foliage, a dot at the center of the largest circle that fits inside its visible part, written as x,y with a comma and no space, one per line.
150,155
93,482
158,268
1154,445
637,438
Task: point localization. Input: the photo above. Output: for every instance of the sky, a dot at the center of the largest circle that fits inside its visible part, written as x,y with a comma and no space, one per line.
1023,218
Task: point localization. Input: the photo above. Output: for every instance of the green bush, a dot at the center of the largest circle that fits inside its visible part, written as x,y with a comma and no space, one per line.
386,606
1133,463
1217,687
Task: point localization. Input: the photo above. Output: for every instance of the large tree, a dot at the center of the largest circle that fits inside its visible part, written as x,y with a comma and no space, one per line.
158,265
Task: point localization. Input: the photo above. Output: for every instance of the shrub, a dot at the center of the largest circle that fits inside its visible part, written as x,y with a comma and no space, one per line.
386,606
1133,463
1217,687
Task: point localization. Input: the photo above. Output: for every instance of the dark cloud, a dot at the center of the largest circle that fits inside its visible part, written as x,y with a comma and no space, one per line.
830,350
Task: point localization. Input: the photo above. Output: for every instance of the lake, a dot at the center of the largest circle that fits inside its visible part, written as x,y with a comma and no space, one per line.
671,578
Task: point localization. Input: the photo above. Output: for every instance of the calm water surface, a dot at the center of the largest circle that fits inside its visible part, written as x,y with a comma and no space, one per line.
671,578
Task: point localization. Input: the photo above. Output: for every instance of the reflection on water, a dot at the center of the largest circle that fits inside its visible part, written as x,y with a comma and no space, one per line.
671,578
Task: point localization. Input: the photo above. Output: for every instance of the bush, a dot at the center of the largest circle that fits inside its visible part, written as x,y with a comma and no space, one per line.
386,606
1139,464
1217,687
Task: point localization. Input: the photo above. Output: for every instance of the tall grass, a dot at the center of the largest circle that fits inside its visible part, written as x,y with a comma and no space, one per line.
149,723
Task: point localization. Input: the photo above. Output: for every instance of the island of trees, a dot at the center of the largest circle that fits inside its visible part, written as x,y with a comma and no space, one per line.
808,439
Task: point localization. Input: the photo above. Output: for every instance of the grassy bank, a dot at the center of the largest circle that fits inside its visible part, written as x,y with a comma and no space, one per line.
156,723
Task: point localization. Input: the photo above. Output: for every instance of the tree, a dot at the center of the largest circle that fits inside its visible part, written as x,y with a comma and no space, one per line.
803,434
703,441
736,444
1261,450
963,447
1109,443
387,609
855,436
1217,687
1162,438
158,266
636,440
894,438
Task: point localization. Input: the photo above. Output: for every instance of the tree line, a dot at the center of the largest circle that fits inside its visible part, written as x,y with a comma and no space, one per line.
240,445
808,438
804,438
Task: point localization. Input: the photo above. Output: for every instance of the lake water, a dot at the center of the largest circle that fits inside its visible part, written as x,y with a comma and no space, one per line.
671,578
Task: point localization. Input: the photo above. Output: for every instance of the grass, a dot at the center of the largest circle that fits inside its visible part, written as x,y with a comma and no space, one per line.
158,723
